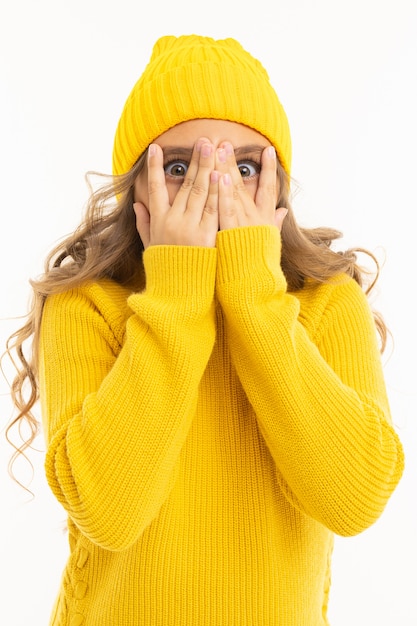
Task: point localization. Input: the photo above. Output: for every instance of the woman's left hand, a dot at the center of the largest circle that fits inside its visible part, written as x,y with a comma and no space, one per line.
237,206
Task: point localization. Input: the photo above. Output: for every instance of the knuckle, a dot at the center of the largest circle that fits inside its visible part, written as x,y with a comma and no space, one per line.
240,187
154,187
229,211
187,183
192,186
199,190
268,192
210,210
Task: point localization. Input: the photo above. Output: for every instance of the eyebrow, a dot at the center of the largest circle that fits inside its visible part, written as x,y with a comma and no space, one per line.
252,148
178,151
181,151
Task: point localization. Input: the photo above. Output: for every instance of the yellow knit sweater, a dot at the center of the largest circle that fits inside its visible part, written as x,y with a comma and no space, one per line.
209,435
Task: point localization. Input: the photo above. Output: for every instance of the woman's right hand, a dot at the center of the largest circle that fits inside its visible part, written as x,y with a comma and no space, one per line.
192,218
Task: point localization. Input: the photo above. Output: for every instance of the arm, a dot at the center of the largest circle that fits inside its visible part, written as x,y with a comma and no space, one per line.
116,416
318,392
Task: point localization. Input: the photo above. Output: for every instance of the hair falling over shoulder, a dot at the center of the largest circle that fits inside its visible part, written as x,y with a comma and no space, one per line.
107,245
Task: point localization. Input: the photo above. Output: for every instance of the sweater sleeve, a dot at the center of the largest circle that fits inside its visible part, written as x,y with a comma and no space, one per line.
117,401
318,393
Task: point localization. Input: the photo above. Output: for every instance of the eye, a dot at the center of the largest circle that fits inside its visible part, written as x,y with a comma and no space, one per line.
248,169
176,169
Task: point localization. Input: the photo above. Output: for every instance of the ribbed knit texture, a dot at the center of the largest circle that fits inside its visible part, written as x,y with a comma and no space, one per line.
193,77
209,435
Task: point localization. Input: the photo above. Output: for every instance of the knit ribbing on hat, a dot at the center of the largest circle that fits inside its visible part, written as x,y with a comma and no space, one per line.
193,77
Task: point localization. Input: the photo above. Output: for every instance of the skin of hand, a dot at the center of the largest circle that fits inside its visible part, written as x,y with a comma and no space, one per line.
192,218
212,195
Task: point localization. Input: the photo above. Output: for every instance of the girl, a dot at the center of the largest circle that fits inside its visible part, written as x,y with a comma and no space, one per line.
209,373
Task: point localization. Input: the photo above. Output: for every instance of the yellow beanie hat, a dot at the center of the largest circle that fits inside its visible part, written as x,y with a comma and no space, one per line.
194,77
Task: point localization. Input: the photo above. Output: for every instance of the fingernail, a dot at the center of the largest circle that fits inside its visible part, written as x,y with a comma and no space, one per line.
201,142
271,152
226,179
214,177
152,149
221,153
206,150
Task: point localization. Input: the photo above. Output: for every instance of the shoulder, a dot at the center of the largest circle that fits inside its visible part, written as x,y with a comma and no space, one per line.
340,298
93,303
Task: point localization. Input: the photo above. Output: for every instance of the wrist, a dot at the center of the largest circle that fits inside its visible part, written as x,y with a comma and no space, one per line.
250,258
176,271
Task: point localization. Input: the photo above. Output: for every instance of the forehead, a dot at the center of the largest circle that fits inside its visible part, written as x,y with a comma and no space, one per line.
216,131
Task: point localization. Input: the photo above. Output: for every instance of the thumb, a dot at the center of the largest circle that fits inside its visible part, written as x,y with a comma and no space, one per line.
142,222
280,215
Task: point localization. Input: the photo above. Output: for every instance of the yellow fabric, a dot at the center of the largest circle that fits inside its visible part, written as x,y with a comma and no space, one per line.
192,77
209,435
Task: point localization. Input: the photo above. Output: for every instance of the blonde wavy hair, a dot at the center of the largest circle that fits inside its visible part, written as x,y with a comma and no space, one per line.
107,244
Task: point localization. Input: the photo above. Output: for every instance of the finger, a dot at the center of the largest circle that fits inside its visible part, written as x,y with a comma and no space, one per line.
143,222
236,207
226,162
211,210
194,190
224,157
266,194
157,189
243,205
280,215
197,200
228,214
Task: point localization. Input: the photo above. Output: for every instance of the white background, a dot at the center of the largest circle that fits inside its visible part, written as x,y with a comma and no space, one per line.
346,74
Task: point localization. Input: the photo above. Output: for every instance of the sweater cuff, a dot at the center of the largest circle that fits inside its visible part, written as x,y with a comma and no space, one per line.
175,271
250,255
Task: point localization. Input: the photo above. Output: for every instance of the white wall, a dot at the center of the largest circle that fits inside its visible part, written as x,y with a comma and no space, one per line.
346,73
